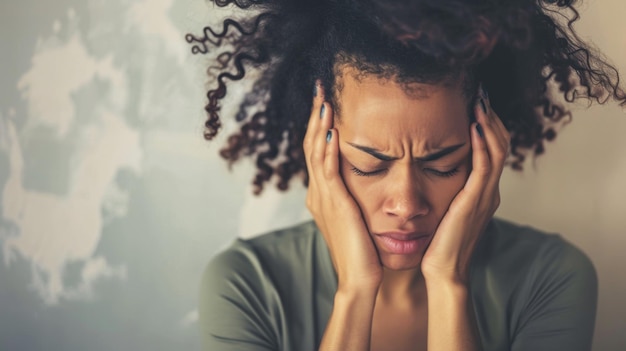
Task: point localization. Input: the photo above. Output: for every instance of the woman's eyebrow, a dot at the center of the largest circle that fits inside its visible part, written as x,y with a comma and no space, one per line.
427,158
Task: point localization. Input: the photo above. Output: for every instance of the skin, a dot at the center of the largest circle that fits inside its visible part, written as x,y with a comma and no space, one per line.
403,194
383,298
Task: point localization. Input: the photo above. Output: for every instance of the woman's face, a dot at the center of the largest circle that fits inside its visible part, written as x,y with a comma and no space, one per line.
404,157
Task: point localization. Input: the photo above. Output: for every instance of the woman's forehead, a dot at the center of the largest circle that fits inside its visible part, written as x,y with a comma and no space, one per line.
381,109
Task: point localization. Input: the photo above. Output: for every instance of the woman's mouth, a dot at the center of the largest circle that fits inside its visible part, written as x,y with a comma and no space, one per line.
402,243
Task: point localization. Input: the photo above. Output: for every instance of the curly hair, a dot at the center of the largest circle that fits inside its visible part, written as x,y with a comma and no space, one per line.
525,52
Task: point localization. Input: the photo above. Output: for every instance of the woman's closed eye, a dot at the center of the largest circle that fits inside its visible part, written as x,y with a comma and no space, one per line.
436,172
361,173
443,174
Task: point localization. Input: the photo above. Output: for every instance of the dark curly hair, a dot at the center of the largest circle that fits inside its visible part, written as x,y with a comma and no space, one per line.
521,50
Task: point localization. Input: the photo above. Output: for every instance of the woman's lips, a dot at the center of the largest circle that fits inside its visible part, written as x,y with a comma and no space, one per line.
402,243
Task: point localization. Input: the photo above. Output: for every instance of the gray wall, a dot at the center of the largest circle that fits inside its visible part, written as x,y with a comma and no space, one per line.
112,203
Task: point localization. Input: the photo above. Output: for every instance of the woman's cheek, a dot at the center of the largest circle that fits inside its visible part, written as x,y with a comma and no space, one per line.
453,187
354,183
362,189
348,176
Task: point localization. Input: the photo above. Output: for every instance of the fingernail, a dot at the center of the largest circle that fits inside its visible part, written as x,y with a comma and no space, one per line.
479,129
481,101
329,135
315,89
483,91
322,110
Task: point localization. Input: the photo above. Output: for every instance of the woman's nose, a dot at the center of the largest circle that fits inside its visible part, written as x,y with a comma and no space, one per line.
407,197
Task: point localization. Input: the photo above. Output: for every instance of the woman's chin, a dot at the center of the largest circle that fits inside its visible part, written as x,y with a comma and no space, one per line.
401,262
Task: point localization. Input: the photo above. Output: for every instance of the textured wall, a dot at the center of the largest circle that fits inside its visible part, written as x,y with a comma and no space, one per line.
111,203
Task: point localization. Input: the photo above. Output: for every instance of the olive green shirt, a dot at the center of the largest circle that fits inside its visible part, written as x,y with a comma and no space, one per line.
530,291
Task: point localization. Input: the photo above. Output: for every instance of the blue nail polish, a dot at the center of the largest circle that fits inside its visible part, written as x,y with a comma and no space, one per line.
322,110
485,92
329,135
315,88
479,129
481,101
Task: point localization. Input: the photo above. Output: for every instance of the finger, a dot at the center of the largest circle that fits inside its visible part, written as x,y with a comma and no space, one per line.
496,141
313,124
312,131
481,163
503,136
334,186
331,157
493,120
501,131
487,101
310,137
320,143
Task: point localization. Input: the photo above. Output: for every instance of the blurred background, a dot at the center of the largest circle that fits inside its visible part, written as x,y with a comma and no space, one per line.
112,203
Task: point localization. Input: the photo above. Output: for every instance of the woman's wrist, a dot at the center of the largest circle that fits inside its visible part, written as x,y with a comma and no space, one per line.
453,326
353,291
447,278
452,291
350,323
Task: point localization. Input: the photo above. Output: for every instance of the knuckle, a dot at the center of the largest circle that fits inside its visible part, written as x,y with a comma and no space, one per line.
485,168
497,201
507,145
311,206
489,120
328,173
506,133
499,154
306,145
316,159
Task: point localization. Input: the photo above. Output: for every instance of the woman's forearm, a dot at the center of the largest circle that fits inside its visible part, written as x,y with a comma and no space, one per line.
451,323
350,323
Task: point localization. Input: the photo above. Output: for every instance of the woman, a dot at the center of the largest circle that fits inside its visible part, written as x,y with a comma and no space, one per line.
382,107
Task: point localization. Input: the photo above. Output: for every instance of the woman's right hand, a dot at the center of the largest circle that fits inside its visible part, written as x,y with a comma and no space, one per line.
335,211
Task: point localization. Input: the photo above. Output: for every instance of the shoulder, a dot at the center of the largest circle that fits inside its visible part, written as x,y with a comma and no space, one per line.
243,295
272,248
516,247
520,263
538,286
254,256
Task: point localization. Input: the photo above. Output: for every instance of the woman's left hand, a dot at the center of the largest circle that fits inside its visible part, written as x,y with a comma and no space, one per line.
449,253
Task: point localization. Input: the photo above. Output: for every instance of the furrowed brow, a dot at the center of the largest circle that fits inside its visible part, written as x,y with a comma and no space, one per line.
427,158
439,154
372,151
